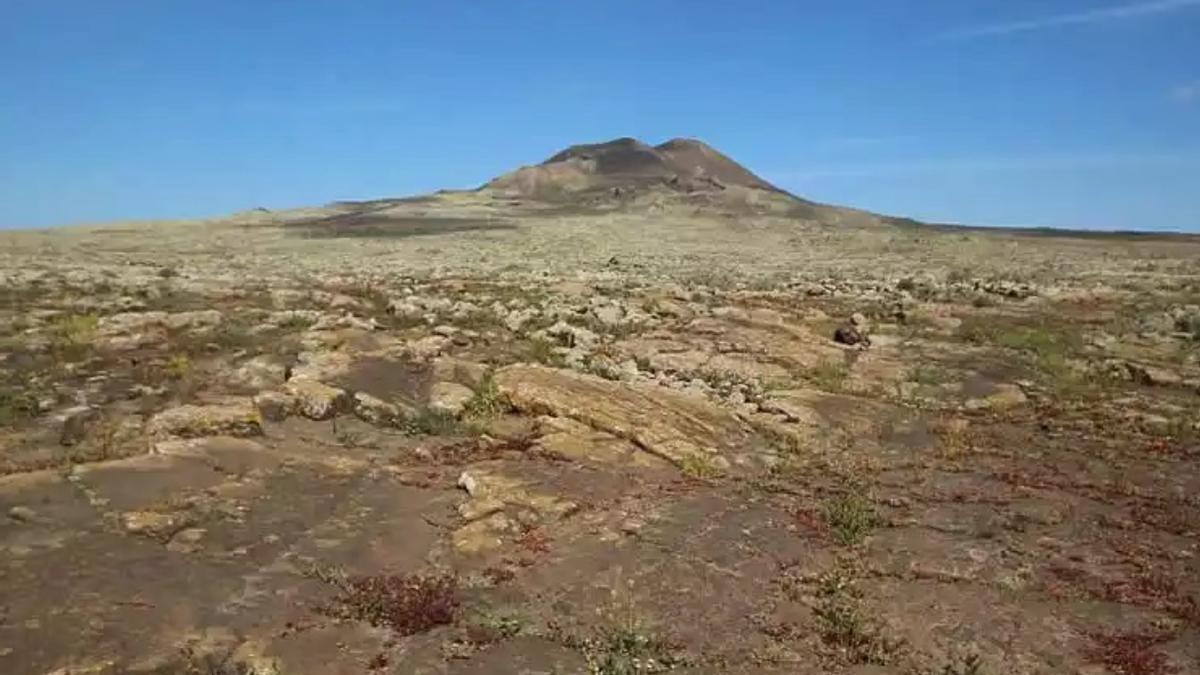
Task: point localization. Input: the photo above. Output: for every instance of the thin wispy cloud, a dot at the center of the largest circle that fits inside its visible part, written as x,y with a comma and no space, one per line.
1095,16
1187,93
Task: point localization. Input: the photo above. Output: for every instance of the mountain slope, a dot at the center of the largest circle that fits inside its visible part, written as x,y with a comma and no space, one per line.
628,174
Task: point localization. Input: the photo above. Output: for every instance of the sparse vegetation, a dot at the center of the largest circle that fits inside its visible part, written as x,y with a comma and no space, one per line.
221,663
487,402
699,467
347,437
543,351
954,436
828,375
625,642
407,604
179,367
843,624
16,404
492,626
295,322
627,651
431,422
930,375
1048,348
971,664
72,337
1131,653
975,467
851,516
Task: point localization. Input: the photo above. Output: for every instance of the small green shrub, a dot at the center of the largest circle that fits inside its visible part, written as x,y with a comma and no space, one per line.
179,367
699,467
501,625
430,422
627,651
487,402
16,404
72,336
844,625
543,351
851,517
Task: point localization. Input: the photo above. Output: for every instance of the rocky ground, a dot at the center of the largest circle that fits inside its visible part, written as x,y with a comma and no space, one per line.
477,437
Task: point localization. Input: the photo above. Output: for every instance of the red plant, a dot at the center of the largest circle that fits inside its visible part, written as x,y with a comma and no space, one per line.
534,541
1131,653
812,521
407,604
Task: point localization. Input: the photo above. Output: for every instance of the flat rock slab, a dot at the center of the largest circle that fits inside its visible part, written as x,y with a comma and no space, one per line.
674,426
231,418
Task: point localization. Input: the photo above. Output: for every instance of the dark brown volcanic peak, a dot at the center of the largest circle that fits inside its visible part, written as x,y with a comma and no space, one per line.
624,156
627,163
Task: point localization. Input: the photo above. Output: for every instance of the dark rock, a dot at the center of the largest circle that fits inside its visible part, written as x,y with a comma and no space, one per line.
849,335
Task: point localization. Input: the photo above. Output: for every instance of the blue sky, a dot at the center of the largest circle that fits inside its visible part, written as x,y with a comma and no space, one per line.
1080,113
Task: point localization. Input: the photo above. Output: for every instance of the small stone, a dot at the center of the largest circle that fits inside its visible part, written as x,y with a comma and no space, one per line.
187,540
467,482
849,335
22,514
632,525
153,524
